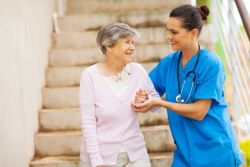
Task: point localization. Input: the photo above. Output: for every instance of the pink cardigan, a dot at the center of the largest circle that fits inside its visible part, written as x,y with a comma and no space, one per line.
107,122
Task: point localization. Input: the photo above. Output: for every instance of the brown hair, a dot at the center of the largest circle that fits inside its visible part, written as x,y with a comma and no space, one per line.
191,17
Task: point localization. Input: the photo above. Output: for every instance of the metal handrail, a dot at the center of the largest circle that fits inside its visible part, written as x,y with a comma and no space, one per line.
238,47
238,63
231,40
244,16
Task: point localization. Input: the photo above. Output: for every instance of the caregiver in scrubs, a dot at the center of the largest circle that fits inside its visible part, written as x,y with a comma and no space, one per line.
192,78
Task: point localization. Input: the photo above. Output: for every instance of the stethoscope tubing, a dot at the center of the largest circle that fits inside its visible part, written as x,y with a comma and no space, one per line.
178,100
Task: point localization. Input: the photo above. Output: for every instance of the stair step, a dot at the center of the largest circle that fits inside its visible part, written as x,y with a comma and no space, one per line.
152,46
57,161
157,160
149,35
60,97
63,97
64,76
80,57
66,97
74,57
158,117
58,143
80,6
67,143
94,21
85,39
69,119
59,119
70,76
55,97
157,133
163,159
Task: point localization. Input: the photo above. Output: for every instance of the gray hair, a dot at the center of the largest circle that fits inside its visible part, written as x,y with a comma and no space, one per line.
110,34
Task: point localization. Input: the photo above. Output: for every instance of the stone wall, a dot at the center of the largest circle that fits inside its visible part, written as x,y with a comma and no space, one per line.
25,38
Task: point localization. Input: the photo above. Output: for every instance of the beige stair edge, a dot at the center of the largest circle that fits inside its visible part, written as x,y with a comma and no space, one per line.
70,76
67,159
51,161
76,6
69,119
137,18
55,143
148,35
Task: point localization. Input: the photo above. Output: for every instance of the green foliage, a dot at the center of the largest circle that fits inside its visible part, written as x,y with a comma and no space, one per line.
242,29
202,2
245,146
219,51
207,3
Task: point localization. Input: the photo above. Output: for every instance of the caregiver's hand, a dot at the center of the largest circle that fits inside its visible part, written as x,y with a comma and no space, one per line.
145,106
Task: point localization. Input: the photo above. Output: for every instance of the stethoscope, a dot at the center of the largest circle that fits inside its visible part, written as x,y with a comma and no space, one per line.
178,97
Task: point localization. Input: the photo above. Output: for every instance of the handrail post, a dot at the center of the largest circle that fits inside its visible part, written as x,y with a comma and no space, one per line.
244,15
61,7
235,103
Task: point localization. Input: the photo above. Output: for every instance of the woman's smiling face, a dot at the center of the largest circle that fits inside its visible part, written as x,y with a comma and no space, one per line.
179,37
123,50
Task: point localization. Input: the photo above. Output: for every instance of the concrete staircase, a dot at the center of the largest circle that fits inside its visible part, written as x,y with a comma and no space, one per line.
57,143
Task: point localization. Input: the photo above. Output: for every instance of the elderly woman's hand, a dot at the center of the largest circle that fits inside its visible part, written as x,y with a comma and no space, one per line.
141,96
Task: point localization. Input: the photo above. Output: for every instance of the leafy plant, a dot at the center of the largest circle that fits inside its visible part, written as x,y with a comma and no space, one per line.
245,146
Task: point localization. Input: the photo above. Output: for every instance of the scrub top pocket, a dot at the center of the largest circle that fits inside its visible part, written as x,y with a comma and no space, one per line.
216,152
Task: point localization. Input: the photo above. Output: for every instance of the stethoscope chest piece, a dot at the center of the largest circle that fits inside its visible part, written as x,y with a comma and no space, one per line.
178,99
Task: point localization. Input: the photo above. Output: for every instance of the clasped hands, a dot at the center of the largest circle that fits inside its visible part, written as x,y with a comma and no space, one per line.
142,103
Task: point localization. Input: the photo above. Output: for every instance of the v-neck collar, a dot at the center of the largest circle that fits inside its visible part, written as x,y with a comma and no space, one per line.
107,87
189,65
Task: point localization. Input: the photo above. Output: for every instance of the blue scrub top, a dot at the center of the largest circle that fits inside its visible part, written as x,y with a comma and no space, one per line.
212,141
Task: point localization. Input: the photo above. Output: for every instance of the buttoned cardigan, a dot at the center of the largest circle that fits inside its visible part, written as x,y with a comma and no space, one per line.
107,122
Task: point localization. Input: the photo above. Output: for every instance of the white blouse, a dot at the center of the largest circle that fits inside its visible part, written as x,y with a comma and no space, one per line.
118,83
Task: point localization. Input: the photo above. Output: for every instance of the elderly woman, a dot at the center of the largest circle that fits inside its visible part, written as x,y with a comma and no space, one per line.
111,131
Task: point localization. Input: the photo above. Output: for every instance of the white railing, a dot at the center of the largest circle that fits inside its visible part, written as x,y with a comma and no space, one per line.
237,56
60,10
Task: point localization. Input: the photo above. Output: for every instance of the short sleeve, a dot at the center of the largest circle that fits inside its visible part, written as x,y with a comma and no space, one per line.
150,87
88,118
158,77
211,86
